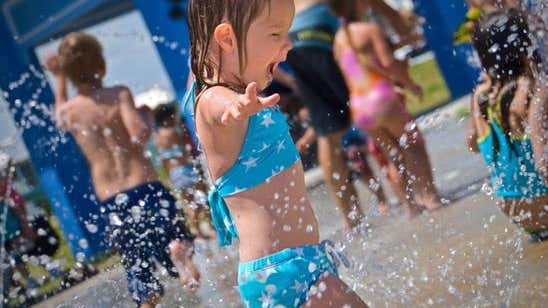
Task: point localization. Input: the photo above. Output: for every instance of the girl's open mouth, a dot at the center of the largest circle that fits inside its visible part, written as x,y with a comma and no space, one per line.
272,68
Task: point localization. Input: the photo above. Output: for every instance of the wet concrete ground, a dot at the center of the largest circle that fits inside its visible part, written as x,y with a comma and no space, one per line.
466,254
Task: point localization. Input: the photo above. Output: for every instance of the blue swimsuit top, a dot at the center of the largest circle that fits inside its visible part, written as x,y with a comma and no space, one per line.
511,165
314,27
268,149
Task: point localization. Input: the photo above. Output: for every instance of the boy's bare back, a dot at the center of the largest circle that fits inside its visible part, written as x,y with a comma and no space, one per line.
112,134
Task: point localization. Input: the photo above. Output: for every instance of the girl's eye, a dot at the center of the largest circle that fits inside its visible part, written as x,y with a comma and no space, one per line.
275,34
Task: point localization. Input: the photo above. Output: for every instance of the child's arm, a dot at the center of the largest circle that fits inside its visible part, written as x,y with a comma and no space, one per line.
401,70
306,140
377,39
538,122
472,136
136,126
226,107
398,71
52,65
403,24
478,125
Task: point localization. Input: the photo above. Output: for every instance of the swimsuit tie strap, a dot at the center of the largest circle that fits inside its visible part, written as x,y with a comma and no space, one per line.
335,254
222,219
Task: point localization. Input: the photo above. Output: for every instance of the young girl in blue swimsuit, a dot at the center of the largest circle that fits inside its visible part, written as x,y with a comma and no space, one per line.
259,192
509,112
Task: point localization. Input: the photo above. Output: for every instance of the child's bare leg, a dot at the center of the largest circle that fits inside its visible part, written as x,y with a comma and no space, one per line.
397,173
198,213
531,214
192,218
151,301
398,184
373,183
337,174
425,191
181,256
331,291
414,157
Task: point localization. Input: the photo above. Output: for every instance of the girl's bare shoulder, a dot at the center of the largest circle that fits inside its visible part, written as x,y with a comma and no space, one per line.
213,102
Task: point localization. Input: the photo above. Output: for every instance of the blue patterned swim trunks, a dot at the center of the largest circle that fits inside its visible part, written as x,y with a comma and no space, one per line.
283,279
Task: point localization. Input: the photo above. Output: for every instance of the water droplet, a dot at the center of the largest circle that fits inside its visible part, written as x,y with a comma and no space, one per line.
83,243
494,48
121,199
107,132
322,286
80,257
164,212
92,228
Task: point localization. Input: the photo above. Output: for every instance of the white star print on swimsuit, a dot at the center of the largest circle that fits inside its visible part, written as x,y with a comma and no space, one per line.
284,278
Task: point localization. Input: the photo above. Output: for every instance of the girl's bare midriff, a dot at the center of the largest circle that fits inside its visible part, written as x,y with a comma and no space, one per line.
283,219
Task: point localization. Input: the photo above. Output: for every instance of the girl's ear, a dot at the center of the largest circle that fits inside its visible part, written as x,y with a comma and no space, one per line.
224,36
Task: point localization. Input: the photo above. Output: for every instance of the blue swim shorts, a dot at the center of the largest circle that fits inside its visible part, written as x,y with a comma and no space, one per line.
284,279
141,223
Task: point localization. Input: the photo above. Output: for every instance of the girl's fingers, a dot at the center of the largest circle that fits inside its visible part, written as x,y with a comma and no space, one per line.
251,92
270,101
224,118
236,114
231,114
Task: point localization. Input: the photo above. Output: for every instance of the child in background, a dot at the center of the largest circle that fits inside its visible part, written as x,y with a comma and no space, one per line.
112,133
509,119
358,146
259,194
375,80
178,155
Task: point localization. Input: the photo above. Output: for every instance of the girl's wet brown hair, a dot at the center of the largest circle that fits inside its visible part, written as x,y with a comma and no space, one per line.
203,17
506,53
81,58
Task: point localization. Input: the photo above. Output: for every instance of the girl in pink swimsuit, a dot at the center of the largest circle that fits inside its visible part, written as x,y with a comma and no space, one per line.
375,80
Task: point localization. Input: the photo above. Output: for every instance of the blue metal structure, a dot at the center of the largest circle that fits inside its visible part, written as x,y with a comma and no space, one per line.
61,168
442,19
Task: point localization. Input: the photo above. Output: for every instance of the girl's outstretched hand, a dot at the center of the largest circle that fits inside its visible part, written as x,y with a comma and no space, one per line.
248,104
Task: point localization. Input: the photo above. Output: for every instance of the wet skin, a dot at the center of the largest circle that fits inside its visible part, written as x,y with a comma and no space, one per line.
111,133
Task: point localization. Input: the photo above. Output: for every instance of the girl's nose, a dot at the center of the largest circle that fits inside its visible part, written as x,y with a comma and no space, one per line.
288,45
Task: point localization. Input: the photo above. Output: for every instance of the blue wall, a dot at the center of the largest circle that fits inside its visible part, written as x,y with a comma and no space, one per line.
442,19
155,14
174,31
